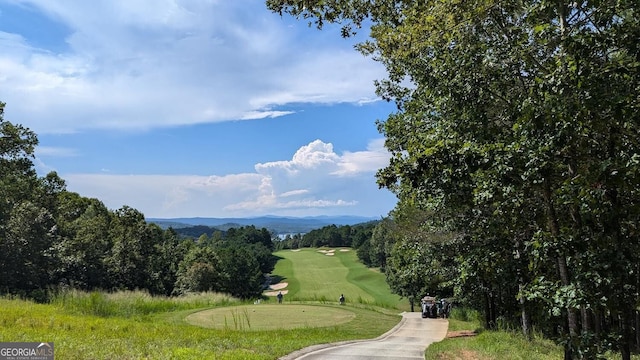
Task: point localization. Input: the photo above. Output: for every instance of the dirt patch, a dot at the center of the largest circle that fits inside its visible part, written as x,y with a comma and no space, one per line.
274,293
461,333
459,355
278,286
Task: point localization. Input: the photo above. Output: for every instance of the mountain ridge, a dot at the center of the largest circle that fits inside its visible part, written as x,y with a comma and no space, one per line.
277,224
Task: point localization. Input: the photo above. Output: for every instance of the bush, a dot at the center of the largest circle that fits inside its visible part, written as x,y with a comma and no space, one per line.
465,314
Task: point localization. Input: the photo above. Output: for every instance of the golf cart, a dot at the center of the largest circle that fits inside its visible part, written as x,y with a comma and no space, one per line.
429,307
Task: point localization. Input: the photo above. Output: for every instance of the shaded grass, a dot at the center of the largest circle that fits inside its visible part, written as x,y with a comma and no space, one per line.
494,345
489,344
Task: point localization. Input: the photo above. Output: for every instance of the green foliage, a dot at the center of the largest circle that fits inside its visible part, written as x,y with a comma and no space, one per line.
518,126
375,252
331,236
465,314
52,239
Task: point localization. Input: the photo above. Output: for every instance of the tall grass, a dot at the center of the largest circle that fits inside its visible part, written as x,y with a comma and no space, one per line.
240,319
465,314
134,303
505,343
495,345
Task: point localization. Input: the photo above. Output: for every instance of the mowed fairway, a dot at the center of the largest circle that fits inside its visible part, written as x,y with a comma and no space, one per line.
315,275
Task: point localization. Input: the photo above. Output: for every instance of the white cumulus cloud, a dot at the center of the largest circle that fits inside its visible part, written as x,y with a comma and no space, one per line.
310,183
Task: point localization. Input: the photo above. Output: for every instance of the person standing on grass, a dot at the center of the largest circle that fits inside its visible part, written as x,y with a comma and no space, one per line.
341,299
279,296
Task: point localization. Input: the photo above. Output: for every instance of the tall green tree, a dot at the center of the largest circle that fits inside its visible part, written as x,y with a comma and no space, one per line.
240,272
527,112
83,242
199,270
27,229
129,261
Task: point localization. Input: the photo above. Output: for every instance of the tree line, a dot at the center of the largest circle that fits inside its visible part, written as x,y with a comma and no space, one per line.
330,236
515,155
51,238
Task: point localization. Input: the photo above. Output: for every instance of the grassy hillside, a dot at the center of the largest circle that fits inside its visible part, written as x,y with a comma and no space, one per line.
323,274
134,325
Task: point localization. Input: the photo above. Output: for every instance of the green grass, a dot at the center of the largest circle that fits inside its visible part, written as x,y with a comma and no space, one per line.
134,303
134,325
314,276
271,317
489,344
493,344
165,335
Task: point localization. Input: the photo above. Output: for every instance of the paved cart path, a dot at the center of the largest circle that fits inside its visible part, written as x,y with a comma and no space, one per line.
407,340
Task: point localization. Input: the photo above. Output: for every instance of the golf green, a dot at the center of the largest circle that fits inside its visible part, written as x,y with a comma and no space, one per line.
270,317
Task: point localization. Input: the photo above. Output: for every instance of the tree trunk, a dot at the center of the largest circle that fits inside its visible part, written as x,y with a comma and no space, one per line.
488,311
625,349
637,346
562,267
526,321
597,314
584,314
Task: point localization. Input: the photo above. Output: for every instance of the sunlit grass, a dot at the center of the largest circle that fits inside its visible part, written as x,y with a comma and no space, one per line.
166,335
135,325
312,275
134,303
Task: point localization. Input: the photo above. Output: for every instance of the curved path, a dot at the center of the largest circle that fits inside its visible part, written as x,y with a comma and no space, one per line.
407,340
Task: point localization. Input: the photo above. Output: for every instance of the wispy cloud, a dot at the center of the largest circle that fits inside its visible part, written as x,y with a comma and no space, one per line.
150,63
49,151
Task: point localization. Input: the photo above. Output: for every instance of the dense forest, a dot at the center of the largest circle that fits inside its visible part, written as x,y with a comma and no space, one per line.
515,156
51,238
331,236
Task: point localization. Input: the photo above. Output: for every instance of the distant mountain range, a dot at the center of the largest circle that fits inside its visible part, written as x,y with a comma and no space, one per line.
276,224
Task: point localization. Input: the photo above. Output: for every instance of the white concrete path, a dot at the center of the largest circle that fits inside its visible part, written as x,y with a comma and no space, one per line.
407,340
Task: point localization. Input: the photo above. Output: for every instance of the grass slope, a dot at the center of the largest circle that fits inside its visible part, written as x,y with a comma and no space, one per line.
312,275
166,335
134,325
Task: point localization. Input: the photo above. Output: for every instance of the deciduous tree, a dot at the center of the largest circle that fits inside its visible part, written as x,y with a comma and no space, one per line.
519,123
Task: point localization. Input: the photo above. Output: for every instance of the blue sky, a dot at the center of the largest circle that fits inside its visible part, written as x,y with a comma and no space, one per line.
182,108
